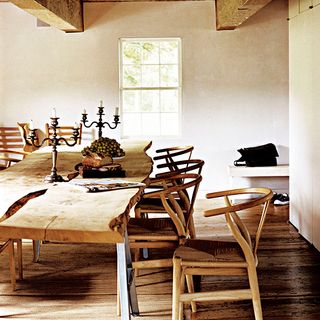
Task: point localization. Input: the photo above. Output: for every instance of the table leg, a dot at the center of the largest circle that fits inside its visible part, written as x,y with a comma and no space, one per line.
145,253
131,279
123,281
128,294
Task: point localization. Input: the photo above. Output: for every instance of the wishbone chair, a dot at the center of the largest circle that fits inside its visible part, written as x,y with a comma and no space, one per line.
222,258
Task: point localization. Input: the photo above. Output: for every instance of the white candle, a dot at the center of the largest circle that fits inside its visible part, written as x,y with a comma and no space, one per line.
76,125
84,111
101,103
31,125
53,113
116,111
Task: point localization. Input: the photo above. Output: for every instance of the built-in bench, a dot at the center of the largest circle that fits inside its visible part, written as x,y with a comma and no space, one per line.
281,170
274,177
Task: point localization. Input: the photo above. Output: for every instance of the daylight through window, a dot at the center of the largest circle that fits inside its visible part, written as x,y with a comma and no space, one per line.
150,85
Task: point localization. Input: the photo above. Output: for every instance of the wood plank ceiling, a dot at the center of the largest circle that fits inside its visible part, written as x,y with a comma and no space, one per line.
68,16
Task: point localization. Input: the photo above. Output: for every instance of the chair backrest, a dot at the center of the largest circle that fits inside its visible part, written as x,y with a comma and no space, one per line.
10,138
65,132
24,133
11,146
170,155
179,209
183,166
237,227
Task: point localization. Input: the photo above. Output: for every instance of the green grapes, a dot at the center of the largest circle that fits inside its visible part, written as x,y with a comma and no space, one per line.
105,147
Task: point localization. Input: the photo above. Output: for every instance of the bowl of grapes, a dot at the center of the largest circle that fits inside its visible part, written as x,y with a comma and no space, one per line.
98,159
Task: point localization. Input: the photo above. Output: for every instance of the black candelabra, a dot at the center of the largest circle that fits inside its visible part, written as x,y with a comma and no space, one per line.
100,124
54,141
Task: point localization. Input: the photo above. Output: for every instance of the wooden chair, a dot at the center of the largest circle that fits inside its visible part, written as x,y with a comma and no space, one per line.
64,131
165,232
222,258
9,246
162,233
24,133
11,147
149,205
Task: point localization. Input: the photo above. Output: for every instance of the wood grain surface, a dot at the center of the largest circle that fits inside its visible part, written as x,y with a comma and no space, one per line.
65,213
79,282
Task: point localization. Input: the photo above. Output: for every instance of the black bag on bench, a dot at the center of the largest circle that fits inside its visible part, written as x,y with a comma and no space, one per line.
260,156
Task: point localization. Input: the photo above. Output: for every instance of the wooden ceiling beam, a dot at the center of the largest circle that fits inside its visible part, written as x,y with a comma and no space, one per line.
232,13
62,14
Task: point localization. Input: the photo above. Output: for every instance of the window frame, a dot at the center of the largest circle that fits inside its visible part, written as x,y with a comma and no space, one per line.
141,88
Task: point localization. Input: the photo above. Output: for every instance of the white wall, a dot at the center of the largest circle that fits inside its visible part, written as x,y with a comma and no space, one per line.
235,83
304,122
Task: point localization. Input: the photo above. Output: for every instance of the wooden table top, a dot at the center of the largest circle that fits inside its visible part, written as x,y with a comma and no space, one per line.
65,213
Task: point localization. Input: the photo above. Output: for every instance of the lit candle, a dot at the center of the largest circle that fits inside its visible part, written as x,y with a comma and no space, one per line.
31,125
53,113
84,111
101,103
116,111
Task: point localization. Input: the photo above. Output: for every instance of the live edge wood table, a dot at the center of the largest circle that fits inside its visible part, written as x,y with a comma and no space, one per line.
70,215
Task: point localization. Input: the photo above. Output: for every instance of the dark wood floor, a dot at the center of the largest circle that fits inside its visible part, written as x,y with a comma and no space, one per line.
79,281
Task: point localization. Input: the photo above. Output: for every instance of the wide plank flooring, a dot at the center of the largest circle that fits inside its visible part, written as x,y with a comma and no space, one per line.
79,281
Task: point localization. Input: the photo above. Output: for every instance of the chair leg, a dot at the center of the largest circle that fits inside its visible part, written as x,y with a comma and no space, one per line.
182,290
176,288
192,229
190,287
254,286
36,250
137,212
145,253
137,258
20,262
141,215
12,264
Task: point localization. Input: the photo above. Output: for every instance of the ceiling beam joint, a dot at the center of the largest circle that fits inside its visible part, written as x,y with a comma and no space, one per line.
65,15
232,13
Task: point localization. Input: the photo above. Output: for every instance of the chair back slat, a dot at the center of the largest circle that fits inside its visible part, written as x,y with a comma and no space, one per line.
183,210
174,211
9,140
261,223
241,227
174,152
10,133
182,166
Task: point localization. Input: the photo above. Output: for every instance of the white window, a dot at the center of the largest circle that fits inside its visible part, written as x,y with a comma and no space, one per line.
150,85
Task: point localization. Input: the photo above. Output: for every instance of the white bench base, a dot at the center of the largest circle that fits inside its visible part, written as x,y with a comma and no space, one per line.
274,177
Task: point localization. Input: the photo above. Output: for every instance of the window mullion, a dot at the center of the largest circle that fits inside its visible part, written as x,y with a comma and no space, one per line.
150,52
150,88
